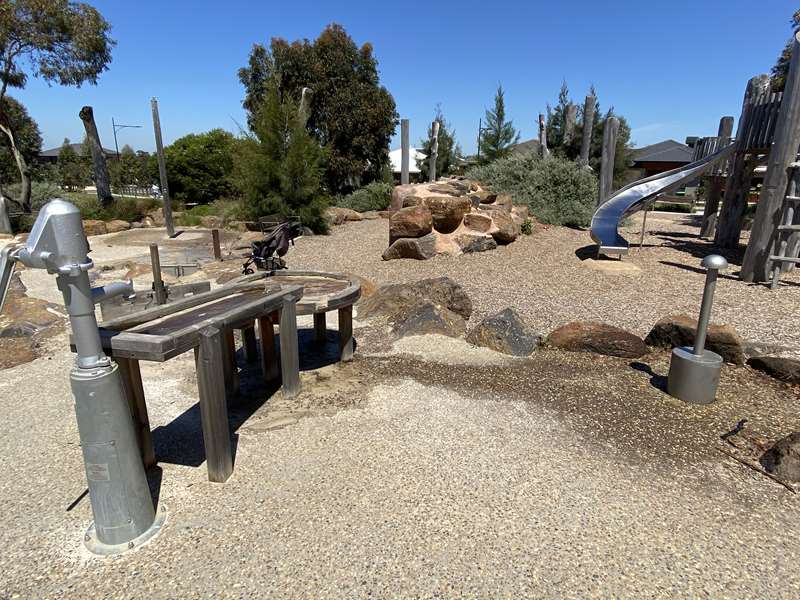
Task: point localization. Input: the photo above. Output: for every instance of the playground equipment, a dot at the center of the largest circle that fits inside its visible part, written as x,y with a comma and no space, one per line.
123,511
694,371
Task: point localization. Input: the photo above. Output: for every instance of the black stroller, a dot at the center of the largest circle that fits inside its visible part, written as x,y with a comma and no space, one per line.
279,234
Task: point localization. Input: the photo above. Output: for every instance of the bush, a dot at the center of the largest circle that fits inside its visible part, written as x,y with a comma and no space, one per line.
123,209
557,191
375,196
527,227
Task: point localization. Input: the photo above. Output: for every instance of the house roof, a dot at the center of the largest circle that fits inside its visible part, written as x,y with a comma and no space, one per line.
396,156
77,148
666,151
525,147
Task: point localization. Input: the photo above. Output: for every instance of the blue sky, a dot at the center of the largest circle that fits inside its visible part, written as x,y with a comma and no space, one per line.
671,67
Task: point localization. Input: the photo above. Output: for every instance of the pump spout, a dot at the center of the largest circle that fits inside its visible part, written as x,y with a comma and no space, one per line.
112,290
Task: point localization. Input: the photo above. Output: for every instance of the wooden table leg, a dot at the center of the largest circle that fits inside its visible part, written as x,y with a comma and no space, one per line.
230,370
134,391
346,346
213,406
290,357
269,357
319,327
249,343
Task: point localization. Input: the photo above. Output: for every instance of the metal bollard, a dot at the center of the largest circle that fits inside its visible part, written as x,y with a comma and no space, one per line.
694,371
120,496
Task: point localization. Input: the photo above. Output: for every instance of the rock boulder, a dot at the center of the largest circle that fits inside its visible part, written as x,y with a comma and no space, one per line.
447,212
391,300
679,330
587,336
425,317
417,248
783,459
505,332
410,222
783,369
94,227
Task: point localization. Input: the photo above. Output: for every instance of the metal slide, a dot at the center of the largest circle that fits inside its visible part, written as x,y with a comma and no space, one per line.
637,195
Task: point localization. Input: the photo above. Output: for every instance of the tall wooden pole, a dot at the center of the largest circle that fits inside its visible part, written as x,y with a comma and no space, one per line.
755,266
715,183
480,128
101,179
570,115
543,137
740,172
434,151
605,186
404,151
162,169
588,121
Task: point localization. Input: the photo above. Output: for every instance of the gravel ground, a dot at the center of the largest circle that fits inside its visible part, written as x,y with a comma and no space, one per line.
541,276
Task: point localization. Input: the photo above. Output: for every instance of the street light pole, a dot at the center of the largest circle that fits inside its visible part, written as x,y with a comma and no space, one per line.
117,126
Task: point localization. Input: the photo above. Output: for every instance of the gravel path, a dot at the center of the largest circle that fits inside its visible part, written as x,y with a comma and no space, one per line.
541,276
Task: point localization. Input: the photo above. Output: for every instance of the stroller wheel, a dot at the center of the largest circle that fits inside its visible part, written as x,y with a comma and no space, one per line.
247,271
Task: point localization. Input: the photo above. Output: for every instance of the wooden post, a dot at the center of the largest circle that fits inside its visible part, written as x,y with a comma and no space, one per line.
588,122
740,172
346,345
480,128
644,228
159,291
230,369
320,334
101,179
290,357
543,137
434,151
606,179
570,116
162,169
213,406
756,263
134,391
249,343
215,244
715,183
404,151
269,358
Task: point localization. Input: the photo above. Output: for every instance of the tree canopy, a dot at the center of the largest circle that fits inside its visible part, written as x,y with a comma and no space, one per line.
350,113
199,166
28,138
449,149
497,135
781,68
59,41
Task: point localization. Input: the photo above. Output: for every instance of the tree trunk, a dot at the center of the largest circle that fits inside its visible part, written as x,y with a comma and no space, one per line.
434,151
588,122
24,199
569,124
606,179
101,178
543,137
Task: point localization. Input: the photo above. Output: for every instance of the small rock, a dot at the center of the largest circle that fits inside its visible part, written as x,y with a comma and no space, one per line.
679,330
505,332
337,215
425,318
484,197
157,217
478,222
417,248
410,222
148,222
587,336
504,202
783,369
469,242
783,459
398,193
446,188
504,229
117,225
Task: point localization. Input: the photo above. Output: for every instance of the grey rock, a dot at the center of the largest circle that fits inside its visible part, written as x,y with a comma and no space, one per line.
425,318
392,300
505,332
417,248
783,459
469,242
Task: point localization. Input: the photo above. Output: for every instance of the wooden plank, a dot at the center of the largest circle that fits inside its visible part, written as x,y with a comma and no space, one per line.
346,345
213,406
320,334
230,369
134,392
249,343
290,355
269,357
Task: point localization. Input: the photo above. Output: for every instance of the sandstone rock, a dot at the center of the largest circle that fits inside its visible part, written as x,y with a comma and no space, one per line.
447,212
678,330
446,244
384,214
473,242
505,332
370,215
398,193
783,369
504,202
783,459
587,336
473,186
504,229
420,248
521,210
148,222
410,222
425,318
94,227
485,197
412,200
478,222
117,225
337,215
448,188
390,300
157,216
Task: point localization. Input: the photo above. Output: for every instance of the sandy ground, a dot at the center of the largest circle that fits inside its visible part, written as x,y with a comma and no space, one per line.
428,468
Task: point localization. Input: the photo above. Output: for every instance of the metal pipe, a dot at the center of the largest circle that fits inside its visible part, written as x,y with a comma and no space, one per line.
80,308
112,290
713,263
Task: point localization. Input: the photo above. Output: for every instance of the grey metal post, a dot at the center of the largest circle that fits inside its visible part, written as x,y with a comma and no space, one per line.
694,371
434,151
120,497
162,168
404,151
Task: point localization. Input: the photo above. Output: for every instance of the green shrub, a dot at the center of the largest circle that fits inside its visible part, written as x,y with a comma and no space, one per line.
556,190
375,196
678,207
527,227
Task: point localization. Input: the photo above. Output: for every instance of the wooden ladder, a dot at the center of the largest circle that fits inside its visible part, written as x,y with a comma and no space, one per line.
787,228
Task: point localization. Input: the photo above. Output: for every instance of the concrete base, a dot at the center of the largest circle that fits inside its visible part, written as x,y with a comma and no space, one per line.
95,546
694,379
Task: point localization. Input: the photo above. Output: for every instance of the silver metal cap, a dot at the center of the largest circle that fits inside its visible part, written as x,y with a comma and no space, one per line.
715,261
